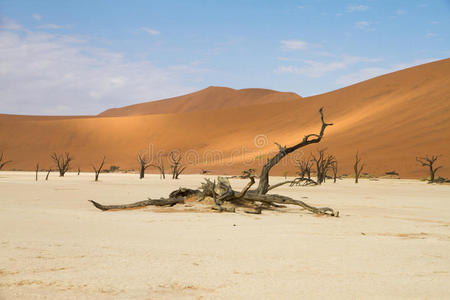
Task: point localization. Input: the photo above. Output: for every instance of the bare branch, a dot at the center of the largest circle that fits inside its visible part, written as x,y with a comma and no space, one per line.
307,140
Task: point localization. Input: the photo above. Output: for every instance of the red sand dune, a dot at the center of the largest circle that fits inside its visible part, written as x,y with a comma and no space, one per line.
390,120
211,98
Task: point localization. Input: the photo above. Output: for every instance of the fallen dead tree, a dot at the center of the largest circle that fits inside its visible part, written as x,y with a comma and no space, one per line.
220,196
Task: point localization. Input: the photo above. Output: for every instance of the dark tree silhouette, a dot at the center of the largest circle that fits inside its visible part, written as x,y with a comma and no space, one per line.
304,168
357,167
429,162
48,173
37,170
309,139
62,162
98,170
177,167
334,168
144,164
323,164
161,169
3,162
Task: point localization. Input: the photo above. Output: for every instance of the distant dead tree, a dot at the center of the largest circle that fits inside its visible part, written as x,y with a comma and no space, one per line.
48,173
160,167
3,163
429,162
177,167
37,170
323,163
79,170
62,162
99,169
144,164
334,168
304,167
357,167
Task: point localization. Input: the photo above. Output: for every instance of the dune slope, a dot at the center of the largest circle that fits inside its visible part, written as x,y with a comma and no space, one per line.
211,98
390,120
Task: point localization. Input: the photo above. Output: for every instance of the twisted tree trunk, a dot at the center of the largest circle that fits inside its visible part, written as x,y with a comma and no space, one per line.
263,185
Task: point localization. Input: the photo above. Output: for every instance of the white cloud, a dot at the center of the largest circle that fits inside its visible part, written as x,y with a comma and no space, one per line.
367,73
316,69
364,25
430,35
354,8
8,24
400,12
150,31
294,45
360,75
46,73
36,17
50,26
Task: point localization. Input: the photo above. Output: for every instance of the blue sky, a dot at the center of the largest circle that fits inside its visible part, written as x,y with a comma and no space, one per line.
81,57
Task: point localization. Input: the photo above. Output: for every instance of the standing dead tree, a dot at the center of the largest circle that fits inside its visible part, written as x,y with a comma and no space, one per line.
98,170
304,168
334,168
160,167
263,186
79,170
62,162
48,173
224,198
37,170
357,167
3,163
177,167
429,162
144,164
323,163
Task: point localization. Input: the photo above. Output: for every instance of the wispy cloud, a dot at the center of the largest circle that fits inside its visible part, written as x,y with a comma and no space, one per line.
364,25
401,12
371,72
46,73
294,45
312,68
355,8
50,26
150,31
37,17
8,24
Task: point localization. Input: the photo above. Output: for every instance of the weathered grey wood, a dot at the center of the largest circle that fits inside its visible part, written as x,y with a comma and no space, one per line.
154,202
263,185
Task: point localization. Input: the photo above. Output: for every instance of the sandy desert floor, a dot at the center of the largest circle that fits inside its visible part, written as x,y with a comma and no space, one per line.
392,241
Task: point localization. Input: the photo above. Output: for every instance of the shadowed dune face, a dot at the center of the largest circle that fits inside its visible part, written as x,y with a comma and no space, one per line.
390,119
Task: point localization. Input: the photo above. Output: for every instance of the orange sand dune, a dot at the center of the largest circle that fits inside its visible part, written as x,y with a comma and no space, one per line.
211,98
390,120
